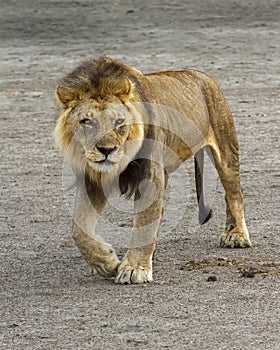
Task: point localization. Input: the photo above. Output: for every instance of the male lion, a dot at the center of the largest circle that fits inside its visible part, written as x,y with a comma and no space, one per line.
119,127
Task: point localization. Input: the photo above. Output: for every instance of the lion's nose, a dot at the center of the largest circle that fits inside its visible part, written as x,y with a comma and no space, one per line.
106,150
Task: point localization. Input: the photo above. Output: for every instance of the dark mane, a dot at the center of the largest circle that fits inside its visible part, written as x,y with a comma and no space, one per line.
89,74
95,78
132,176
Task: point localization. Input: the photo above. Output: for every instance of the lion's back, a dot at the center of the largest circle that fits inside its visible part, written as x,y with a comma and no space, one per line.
181,91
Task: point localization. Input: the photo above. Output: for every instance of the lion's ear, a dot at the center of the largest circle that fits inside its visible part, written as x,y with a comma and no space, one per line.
66,96
121,87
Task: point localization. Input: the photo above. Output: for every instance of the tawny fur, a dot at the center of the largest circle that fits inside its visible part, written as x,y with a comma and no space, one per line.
106,105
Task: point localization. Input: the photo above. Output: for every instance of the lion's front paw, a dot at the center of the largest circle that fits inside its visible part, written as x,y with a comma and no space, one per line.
235,239
100,256
129,272
106,266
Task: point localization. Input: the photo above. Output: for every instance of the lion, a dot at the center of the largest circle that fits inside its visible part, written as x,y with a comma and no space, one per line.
120,128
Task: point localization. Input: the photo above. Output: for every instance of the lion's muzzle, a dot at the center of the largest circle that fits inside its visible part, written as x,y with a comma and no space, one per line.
106,150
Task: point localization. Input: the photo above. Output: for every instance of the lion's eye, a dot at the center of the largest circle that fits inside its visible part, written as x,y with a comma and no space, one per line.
84,121
88,122
119,121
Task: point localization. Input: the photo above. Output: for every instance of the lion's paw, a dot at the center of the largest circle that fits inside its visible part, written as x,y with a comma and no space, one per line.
105,269
103,265
129,273
235,239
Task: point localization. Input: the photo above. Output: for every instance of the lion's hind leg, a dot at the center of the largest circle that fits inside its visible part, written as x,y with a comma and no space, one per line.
227,163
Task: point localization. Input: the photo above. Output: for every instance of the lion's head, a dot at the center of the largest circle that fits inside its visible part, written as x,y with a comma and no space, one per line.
99,129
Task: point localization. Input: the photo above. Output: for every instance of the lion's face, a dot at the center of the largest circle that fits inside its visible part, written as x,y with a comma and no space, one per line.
106,136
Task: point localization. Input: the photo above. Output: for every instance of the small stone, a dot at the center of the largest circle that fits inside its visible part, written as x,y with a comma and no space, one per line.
212,278
248,274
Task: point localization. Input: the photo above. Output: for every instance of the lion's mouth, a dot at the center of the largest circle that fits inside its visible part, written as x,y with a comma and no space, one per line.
104,161
104,165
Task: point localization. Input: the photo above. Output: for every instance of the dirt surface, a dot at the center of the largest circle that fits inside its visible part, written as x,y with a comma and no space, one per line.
203,297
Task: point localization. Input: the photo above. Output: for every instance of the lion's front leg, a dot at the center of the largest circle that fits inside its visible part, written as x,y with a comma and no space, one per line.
136,266
98,254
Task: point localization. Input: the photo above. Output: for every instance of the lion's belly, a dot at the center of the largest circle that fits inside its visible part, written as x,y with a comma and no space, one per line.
174,157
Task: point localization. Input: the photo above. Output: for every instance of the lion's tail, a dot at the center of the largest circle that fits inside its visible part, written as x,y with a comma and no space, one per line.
205,213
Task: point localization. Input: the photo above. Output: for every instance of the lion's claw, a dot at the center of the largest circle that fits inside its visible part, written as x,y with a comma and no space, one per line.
235,239
133,273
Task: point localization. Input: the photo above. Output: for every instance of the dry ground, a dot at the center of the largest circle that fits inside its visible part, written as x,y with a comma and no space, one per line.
203,297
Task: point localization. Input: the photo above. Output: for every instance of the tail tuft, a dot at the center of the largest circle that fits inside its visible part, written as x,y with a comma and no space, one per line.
205,214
